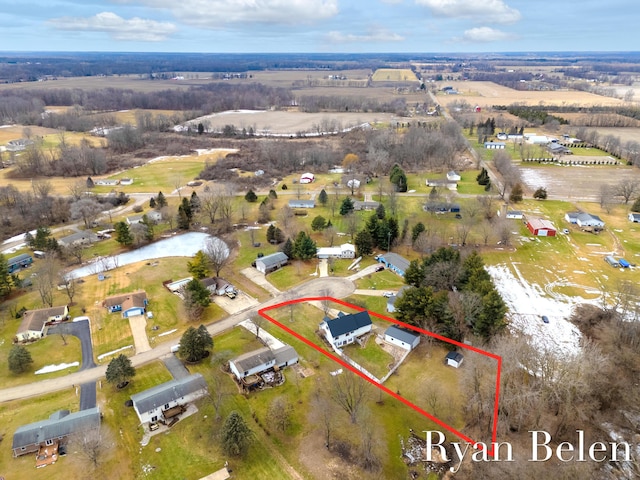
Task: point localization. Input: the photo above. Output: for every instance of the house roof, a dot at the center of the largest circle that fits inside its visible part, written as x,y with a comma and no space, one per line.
537,223
514,212
455,356
34,320
167,392
309,203
273,259
18,258
572,215
285,354
247,361
366,204
348,323
401,334
396,260
78,237
127,300
634,215
585,217
215,282
59,424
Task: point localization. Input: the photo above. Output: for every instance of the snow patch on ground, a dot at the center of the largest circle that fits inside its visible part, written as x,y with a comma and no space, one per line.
168,333
113,352
56,368
528,302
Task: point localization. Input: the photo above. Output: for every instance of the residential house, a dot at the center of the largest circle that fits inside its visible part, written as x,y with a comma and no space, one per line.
345,250
262,360
541,227
537,139
495,145
217,286
453,176
159,403
441,207
588,220
402,337
345,329
634,217
394,262
126,181
106,182
442,183
19,261
391,300
366,205
153,216
129,304
34,322
556,149
515,214
302,204
454,359
55,430
353,183
307,178
270,263
86,237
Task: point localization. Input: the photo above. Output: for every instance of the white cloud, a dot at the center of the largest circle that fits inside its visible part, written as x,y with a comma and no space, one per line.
484,34
488,10
218,13
379,36
134,29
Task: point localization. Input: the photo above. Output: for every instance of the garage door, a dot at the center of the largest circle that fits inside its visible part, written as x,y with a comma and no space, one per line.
133,311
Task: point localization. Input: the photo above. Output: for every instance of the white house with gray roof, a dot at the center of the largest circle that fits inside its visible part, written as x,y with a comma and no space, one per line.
261,360
151,404
272,262
402,337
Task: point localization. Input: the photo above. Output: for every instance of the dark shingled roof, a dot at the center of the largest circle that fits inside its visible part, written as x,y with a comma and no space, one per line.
247,361
348,323
273,259
167,392
401,334
59,424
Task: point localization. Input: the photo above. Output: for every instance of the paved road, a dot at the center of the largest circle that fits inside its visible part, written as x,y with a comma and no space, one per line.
331,286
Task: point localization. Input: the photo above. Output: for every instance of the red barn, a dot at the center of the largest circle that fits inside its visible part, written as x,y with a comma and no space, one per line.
541,227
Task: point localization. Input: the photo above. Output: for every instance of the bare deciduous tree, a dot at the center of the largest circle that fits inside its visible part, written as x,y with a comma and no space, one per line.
86,209
627,189
95,446
218,253
350,392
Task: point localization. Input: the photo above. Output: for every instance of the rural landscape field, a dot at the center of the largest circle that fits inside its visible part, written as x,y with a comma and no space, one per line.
490,215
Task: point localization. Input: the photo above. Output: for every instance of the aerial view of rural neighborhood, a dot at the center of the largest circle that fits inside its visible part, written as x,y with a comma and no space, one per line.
327,265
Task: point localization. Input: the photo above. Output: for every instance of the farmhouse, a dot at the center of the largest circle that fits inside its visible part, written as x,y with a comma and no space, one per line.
53,431
494,145
269,263
345,250
402,337
307,178
454,359
366,205
345,329
129,304
541,227
159,403
394,262
126,181
634,217
34,322
261,360
19,261
302,204
588,220
86,237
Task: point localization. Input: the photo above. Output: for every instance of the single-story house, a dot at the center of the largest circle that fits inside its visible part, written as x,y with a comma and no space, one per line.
394,262
441,207
85,237
346,250
453,176
129,304
634,217
454,359
557,149
217,285
269,263
19,261
442,183
151,405
153,216
402,337
307,177
57,428
515,214
126,181
541,227
344,329
588,220
261,360
366,205
391,300
571,217
302,204
495,145
34,322
106,182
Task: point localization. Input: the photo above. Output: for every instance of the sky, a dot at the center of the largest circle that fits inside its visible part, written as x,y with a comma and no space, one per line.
322,26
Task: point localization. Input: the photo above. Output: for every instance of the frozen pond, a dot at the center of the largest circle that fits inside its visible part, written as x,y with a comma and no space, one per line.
186,245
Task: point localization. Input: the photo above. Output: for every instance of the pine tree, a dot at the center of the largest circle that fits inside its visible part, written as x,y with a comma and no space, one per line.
318,223
251,197
287,248
195,344
272,194
19,359
236,435
194,202
90,183
152,202
541,194
123,234
346,207
183,219
323,198
161,201
380,211
120,371
417,229
304,248
363,243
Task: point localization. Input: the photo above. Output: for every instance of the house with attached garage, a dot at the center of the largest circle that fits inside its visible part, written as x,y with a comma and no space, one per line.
54,431
402,337
270,263
359,205
262,360
345,329
129,304
153,216
346,250
588,220
34,322
394,262
165,401
634,217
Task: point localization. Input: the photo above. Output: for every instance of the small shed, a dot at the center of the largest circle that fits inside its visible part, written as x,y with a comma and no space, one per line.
634,217
402,337
454,359
612,261
515,214
453,176
623,263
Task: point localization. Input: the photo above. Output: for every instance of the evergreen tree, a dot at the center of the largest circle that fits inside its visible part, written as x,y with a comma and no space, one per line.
120,371
199,266
183,218
363,243
541,194
380,211
90,183
186,206
417,229
319,223
6,281
194,202
148,225
161,201
200,128
152,203
198,293
304,248
195,344
19,359
272,194
236,435
346,207
251,197
323,198
271,233
123,234
287,248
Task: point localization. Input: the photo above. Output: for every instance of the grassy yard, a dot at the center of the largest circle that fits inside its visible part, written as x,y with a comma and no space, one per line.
372,357
293,274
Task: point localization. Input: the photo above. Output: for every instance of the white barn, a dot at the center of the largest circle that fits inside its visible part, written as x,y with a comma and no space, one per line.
401,337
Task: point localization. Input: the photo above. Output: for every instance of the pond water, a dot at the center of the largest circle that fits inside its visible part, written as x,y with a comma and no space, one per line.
186,245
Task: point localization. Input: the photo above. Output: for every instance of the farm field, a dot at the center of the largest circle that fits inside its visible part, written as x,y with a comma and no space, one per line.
486,94
394,75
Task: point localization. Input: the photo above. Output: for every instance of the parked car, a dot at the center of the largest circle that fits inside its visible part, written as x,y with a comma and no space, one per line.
387,294
545,319
379,268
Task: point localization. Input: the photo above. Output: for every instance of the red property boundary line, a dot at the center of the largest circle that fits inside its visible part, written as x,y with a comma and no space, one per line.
481,445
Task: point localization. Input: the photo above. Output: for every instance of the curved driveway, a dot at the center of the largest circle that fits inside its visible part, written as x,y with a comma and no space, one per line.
326,286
